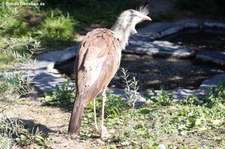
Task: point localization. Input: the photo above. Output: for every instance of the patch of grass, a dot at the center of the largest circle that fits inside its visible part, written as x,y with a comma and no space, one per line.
195,122
191,123
15,133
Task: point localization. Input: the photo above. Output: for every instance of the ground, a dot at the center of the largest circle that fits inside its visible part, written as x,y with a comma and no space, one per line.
161,122
52,120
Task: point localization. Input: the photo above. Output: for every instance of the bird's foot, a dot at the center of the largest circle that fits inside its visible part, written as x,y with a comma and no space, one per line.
97,129
105,134
73,136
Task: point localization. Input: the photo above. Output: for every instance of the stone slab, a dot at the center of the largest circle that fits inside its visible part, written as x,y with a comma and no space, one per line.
217,57
59,56
47,81
164,48
213,82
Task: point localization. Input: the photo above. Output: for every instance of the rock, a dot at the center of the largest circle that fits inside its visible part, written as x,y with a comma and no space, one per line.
168,48
59,56
47,81
150,32
212,83
215,25
164,48
171,31
217,57
45,77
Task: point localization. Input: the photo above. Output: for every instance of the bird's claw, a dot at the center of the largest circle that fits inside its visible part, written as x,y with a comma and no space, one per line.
97,129
105,133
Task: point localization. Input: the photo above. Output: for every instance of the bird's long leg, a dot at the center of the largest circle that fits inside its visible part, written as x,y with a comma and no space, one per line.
103,107
104,132
95,118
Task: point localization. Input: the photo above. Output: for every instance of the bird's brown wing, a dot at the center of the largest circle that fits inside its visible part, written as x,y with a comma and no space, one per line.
97,62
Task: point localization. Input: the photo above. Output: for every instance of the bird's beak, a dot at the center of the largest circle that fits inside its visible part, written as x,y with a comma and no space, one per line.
147,18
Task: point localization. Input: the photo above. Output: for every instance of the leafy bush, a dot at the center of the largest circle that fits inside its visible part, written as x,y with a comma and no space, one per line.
15,20
56,29
51,27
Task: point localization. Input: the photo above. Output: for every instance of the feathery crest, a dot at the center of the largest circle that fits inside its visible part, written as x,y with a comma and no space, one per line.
144,10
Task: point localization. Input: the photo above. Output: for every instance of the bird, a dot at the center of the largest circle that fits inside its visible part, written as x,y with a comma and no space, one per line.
97,61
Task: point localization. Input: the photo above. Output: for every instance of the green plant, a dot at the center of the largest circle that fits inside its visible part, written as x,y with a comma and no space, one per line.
16,18
53,29
57,28
15,131
28,43
217,95
164,99
8,16
64,95
15,83
113,106
93,12
15,52
131,89
5,143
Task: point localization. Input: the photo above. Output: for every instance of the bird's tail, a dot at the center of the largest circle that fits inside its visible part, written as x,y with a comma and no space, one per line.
76,116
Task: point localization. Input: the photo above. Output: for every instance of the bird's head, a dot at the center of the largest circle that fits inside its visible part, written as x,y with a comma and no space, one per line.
130,18
133,17
127,21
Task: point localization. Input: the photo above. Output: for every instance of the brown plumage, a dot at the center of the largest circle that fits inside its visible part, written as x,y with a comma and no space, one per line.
99,53
97,62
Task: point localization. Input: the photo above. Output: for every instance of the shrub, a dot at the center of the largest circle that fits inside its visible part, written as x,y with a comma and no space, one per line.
53,28
57,29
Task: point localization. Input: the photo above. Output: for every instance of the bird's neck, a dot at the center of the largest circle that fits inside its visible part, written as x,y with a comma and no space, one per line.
122,33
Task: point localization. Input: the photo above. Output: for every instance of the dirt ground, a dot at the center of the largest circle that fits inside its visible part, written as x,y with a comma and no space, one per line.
52,121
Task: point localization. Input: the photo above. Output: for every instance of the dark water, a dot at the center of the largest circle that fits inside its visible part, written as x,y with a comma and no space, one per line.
170,73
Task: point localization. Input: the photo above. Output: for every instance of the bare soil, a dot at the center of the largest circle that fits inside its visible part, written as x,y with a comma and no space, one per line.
52,121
